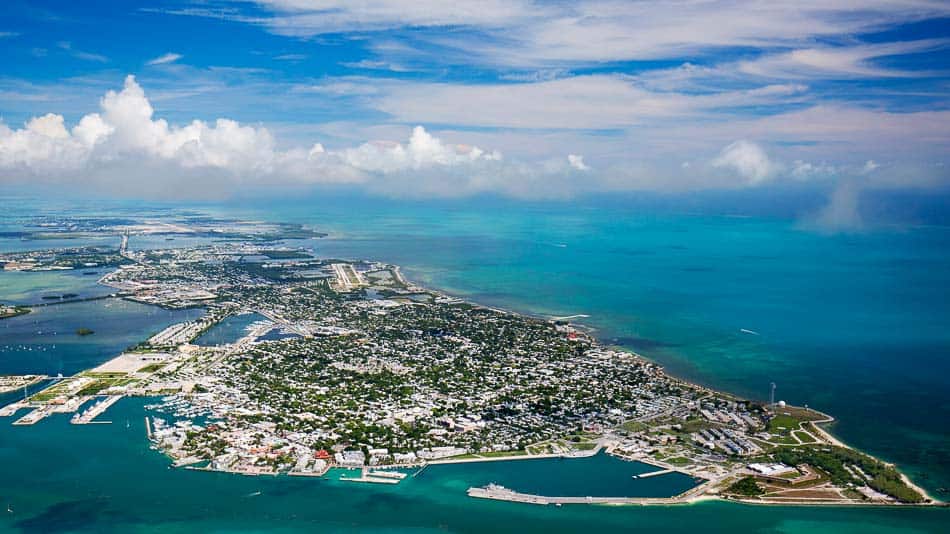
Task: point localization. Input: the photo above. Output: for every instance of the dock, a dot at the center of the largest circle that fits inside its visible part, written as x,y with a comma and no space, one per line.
421,469
95,410
71,405
654,473
11,409
377,477
501,493
35,416
387,474
372,480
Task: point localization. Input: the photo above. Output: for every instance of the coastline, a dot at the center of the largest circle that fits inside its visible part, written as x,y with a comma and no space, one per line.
825,434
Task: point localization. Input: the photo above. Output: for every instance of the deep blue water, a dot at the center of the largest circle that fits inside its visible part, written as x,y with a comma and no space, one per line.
45,341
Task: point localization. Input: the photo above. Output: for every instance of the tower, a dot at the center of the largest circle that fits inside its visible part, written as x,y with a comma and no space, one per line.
772,395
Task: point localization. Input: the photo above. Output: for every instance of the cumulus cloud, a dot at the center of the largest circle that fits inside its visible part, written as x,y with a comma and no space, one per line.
423,150
748,160
577,162
124,148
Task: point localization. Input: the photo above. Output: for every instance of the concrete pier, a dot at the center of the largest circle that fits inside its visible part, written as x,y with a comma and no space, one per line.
654,473
35,416
501,493
95,410
11,409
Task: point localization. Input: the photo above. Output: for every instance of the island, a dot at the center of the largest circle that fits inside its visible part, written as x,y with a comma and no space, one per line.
346,363
12,311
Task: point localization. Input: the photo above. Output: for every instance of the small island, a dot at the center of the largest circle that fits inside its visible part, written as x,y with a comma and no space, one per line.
7,312
84,332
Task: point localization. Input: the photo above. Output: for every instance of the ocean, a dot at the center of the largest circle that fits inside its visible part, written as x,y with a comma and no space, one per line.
856,325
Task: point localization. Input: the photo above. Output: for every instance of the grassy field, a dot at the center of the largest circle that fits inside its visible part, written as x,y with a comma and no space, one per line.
151,368
678,460
804,437
634,426
783,424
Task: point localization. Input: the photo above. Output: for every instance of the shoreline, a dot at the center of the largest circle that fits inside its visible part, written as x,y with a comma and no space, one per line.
547,318
817,424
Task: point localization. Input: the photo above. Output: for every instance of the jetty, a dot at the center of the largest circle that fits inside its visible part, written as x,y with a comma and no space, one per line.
387,474
35,416
501,493
11,409
95,410
654,473
377,477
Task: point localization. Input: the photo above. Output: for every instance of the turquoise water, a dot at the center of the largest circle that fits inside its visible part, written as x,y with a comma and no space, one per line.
104,478
856,325
229,330
31,287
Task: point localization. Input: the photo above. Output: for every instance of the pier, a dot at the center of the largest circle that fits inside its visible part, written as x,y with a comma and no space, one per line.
396,475
501,493
35,416
654,473
95,410
377,477
11,409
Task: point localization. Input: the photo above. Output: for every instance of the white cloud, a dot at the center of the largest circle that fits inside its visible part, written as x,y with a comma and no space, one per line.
307,18
838,62
422,150
579,102
748,159
170,57
125,148
370,64
841,213
577,162
523,33
81,54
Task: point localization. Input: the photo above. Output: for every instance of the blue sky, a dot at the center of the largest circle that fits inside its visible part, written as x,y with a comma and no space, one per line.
519,98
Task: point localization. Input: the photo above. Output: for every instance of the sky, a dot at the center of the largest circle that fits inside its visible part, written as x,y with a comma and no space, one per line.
431,99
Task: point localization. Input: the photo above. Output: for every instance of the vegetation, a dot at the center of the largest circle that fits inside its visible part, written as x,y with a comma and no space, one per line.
7,312
803,437
783,424
839,463
747,487
94,387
